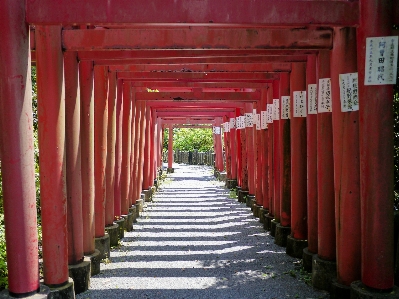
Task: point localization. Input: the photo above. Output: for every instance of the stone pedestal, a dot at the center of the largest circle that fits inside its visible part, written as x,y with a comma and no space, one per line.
113,232
231,184
66,291
256,210
323,273
360,291
307,260
268,222
80,273
242,196
339,291
139,206
132,210
121,227
222,176
250,201
128,222
295,247
147,195
282,232
43,293
170,170
95,262
273,225
262,215
102,244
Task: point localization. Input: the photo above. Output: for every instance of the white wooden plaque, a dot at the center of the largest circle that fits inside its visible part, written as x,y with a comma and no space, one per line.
276,109
324,97
232,123
249,120
312,99
285,107
348,87
263,120
299,103
381,60
257,121
270,113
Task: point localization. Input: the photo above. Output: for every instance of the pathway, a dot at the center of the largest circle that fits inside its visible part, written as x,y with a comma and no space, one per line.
194,241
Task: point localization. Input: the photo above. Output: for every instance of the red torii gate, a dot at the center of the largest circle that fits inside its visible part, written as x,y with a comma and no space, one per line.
372,185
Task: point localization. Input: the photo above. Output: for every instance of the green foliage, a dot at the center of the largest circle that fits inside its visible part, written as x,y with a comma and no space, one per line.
3,255
191,139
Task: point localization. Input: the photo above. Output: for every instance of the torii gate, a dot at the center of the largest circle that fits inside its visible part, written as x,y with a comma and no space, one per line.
321,40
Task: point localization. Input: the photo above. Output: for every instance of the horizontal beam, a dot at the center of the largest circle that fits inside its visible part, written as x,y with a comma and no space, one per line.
193,126
255,12
196,105
198,113
177,54
193,97
154,84
203,60
210,76
197,37
209,67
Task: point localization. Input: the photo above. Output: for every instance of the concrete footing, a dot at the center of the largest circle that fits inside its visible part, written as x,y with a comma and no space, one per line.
307,260
360,291
147,195
132,210
323,273
282,233
242,196
231,184
128,222
256,210
95,262
250,201
262,215
102,244
170,170
139,206
66,291
339,291
42,293
295,247
80,273
268,222
121,227
222,176
113,232
273,225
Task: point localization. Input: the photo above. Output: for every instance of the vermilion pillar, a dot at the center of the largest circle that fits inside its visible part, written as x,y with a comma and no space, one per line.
73,159
249,133
147,150
311,149
226,136
126,147
258,160
283,229
131,198
276,154
270,156
238,147
376,156
296,242
233,149
17,162
170,149
244,161
51,110
143,123
137,120
152,147
100,145
118,150
346,162
325,172
218,146
87,153
285,156
264,150
111,142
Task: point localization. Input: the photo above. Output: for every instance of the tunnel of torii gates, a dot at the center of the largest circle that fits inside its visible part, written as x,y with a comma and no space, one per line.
320,173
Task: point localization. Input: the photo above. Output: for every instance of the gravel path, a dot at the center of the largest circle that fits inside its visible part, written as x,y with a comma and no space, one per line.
194,241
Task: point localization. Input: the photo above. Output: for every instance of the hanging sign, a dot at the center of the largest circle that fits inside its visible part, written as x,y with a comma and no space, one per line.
216,130
312,99
299,103
232,123
257,121
240,122
276,109
381,60
270,113
263,120
324,97
348,86
249,120
285,107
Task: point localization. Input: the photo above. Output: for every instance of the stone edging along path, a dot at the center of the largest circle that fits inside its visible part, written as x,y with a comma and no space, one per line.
194,241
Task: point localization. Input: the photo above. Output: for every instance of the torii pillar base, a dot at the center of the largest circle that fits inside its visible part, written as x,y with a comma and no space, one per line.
121,227
307,260
80,273
66,291
323,273
170,170
102,244
128,222
147,195
113,232
250,201
95,262
267,225
273,225
132,210
256,210
282,233
340,291
295,247
242,196
360,291
139,207
42,294
262,215
231,184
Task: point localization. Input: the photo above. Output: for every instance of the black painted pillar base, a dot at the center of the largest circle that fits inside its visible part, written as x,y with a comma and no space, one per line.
242,195
339,291
360,291
323,273
268,222
121,227
102,244
66,291
307,260
295,247
282,233
80,273
273,225
95,262
113,232
42,293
